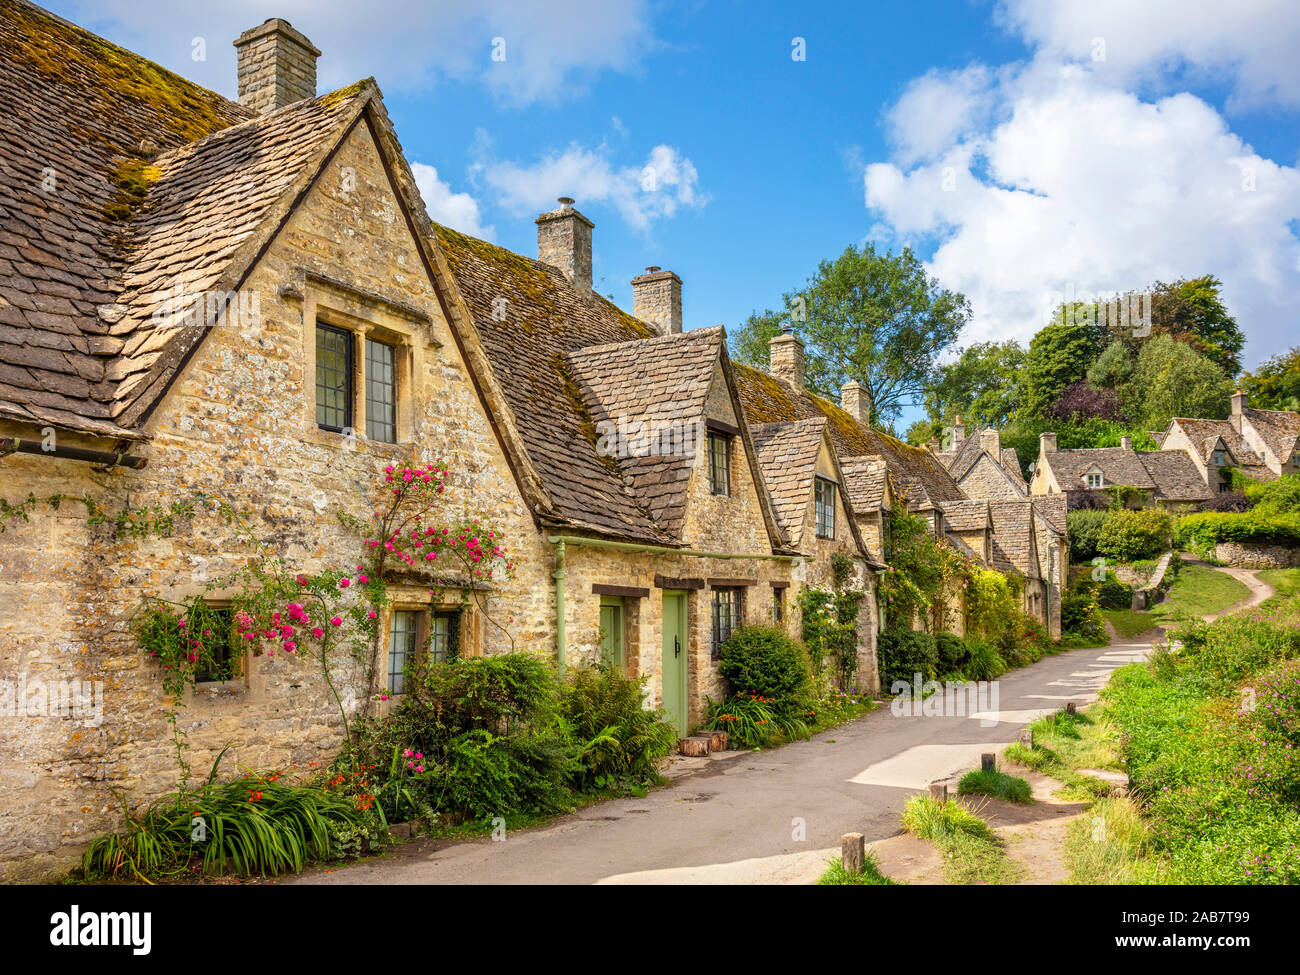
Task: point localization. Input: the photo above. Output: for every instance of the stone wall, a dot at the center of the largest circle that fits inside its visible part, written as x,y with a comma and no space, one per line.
1250,555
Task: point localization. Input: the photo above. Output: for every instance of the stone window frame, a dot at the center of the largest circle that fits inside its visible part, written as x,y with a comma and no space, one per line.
718,446
364,317
717,596
416,599
824,509
248,685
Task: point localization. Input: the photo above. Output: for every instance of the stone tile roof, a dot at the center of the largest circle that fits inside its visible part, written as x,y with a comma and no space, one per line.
1052,508
567,361
530,319
919,477
1203,434
787,453
118,181
865,479
1013,538
662,382
1117,464
1011,464
965,516
1175,476
1279,429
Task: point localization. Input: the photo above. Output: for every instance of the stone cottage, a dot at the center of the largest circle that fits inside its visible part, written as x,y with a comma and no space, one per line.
1086,476
247,301
1262,444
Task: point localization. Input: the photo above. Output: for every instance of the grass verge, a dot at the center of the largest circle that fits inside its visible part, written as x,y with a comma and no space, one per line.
972,854
1065,743
1111,845
997,784
869,876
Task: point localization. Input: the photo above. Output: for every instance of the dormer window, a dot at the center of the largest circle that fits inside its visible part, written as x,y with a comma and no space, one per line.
1219,458
1093,479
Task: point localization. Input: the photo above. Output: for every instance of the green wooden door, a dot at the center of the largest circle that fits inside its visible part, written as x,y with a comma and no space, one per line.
611,631
674,659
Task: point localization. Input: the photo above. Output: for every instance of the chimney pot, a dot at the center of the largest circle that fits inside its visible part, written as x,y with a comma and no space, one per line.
1240,403
564,240
564,201
277,66
657,299
1126,442
785,354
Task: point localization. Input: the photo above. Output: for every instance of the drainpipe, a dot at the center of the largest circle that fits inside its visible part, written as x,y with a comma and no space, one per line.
9,445
560,541
559,602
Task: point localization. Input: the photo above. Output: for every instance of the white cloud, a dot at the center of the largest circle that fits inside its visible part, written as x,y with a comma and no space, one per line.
457,210
656,189
545,51
937,109
1250,42
1085,187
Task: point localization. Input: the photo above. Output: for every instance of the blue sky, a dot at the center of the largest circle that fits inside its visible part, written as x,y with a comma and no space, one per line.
1025,149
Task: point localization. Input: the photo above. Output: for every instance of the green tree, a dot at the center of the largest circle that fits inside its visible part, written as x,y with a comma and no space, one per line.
1275,384
1059,356
878,318
1191,311
1171,379
982,385
1113,368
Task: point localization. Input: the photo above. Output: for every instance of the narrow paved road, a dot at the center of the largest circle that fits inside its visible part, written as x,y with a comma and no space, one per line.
738,821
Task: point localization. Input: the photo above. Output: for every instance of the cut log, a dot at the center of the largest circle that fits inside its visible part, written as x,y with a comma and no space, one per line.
696,747
717,740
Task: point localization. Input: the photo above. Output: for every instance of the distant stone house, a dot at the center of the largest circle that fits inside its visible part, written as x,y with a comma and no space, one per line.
1261,444
1090,476
986,470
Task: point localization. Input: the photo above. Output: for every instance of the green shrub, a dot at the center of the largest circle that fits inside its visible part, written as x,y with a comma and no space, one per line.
261,824
1130,535
764,660
1081,615
984,663
491,735
953,653
904,653
620,741
1113,594
1203,530
752,721
1085,528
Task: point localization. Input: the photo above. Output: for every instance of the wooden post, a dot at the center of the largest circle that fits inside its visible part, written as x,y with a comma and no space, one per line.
1069,707
853,852
939,791
988,762
1027,737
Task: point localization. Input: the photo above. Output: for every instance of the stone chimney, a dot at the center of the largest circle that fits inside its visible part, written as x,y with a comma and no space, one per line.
1240,403
855,402
1047,443
1126,443
958,433
785,353
657,299
564,241
277,66
991,441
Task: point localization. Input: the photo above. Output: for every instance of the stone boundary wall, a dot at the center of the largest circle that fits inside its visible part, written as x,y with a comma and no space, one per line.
1257,555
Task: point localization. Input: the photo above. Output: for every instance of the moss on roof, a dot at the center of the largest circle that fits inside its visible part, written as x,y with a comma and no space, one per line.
53,46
